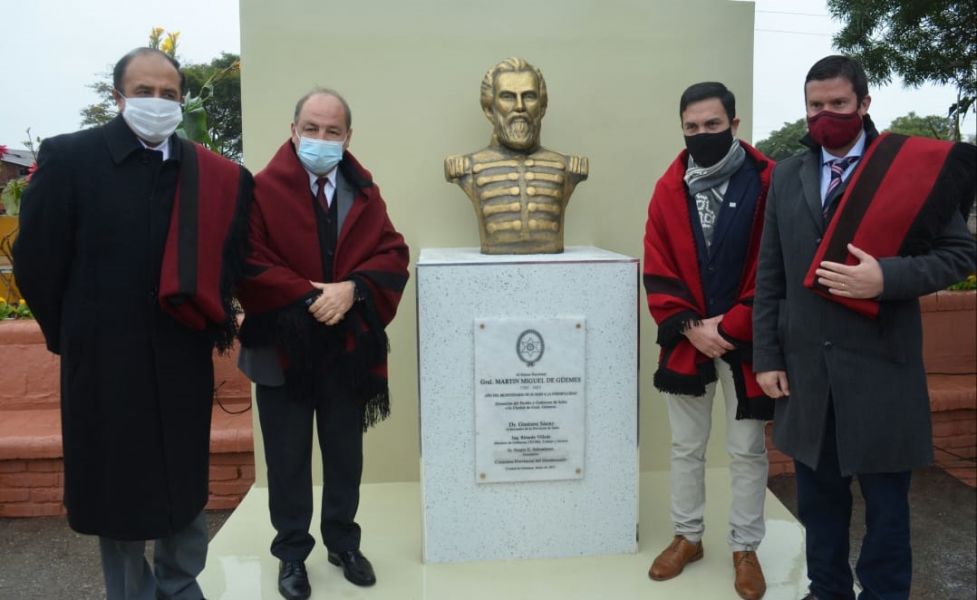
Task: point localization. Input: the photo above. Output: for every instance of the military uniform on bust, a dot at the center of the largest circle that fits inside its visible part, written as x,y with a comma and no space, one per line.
519,190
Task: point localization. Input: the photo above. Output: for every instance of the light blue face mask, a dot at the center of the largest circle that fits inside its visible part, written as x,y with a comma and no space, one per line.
320,156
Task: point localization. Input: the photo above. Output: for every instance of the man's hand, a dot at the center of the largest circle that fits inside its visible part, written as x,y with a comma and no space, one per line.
863,280
773,383
706,339
334,301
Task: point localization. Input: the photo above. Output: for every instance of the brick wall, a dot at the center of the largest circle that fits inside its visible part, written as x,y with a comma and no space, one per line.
35,487
231,476
31,488
31,468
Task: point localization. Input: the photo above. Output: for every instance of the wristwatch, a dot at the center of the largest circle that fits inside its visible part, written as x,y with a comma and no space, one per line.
358,295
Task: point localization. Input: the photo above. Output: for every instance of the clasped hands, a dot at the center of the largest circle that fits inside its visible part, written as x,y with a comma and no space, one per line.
706,338
334,301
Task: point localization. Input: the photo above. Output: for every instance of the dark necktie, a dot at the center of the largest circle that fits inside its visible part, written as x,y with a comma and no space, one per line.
320,195
838,167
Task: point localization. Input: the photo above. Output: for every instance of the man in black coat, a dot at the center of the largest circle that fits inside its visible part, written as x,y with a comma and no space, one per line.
837,334
106,277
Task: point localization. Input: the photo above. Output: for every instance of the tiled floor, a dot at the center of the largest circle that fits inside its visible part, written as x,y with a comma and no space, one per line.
41,558
240,567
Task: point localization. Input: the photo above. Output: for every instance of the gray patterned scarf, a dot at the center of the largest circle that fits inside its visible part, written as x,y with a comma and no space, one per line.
706,184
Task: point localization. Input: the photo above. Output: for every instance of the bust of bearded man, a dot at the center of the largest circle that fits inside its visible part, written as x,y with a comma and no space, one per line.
518,188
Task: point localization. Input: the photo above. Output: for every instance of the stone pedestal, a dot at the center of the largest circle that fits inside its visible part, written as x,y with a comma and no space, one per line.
550,499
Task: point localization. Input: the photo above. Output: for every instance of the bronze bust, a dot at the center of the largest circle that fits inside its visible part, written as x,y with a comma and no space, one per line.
518,188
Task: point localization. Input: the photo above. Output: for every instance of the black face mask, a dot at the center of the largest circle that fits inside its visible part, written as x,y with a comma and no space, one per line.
709,148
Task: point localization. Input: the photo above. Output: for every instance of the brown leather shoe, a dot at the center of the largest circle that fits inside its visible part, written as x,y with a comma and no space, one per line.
674,558
750,584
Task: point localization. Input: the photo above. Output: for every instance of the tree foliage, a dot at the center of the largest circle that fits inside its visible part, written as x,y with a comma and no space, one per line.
102,111
932,126
918,40
212,105
222,77
784,142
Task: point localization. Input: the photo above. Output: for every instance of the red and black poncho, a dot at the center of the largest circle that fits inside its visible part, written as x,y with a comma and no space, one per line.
203,257
675,295
900,196
286,256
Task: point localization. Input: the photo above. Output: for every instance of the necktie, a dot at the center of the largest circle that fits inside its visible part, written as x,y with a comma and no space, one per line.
838,167
320,195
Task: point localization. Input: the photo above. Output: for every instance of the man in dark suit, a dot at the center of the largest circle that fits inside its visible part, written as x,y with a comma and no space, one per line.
837,335
99,263
326,272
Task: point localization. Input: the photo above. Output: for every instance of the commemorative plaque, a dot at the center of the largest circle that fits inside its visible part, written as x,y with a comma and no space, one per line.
529,399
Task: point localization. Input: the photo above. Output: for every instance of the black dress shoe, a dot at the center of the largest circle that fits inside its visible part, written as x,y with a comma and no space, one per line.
293,581
356,568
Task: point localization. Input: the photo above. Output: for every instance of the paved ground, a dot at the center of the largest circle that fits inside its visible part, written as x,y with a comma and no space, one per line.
42,558
944,521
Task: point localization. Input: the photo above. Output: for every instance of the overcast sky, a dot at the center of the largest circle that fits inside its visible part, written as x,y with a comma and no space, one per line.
52,49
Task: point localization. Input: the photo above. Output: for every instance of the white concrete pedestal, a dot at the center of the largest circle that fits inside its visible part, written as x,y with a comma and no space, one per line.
464,519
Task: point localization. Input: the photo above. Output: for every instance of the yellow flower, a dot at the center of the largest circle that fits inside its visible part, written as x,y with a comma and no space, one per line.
169,44
154,36
22,302
3,300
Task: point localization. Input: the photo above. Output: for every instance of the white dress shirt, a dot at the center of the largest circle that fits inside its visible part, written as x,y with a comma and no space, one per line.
826,159
330,184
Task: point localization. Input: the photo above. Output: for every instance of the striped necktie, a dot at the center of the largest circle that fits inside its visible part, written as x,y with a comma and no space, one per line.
838,167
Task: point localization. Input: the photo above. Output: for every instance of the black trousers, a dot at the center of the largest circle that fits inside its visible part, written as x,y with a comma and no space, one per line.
824,504
286,428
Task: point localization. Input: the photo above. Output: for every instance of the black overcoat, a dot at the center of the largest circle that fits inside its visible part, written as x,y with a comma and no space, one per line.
872,369
136,386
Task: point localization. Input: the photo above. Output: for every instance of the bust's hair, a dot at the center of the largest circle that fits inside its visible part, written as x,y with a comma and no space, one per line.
510,65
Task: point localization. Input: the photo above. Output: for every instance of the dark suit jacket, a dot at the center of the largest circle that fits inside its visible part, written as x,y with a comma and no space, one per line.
873,369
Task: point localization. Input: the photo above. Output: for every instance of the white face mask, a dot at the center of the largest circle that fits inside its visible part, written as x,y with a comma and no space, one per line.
152,119
320,156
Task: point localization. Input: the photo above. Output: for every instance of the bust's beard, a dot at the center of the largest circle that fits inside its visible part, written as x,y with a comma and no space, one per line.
517,132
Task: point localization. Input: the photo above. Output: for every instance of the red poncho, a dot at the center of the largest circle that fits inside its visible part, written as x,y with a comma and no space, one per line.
902,193
286,255
204,252
675,297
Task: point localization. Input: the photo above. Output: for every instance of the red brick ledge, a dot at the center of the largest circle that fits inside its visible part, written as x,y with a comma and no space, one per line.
31,466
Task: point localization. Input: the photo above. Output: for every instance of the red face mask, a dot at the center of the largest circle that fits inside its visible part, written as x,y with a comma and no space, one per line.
834,130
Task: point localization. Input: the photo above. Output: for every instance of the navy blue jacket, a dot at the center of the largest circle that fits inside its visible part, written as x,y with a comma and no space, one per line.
721,266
